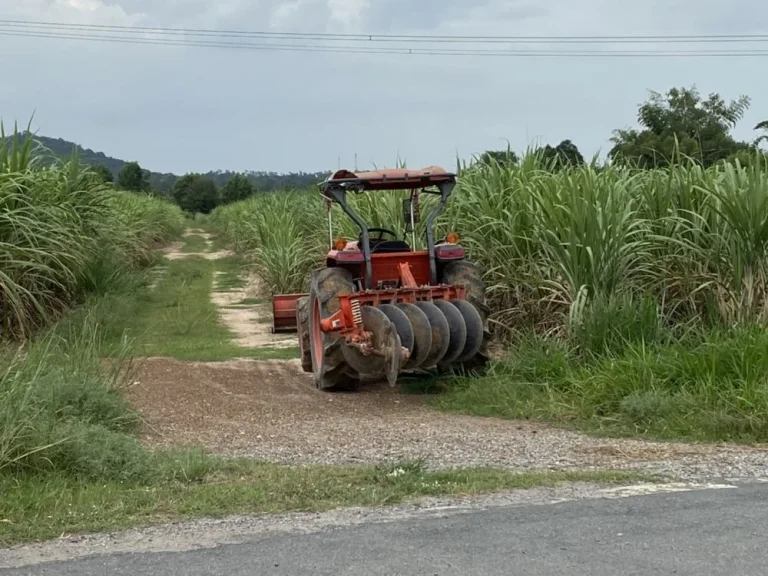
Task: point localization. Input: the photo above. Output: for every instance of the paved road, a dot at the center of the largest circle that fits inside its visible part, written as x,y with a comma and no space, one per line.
704,532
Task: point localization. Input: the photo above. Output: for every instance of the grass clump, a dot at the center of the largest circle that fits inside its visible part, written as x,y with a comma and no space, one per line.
46,508
176,318
704,386
690,239
62,411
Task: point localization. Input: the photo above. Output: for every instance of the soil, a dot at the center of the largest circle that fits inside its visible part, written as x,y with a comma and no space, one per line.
173,252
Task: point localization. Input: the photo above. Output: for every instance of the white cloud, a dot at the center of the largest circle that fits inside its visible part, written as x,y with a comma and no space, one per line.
309,15
348,13
285,12
71,11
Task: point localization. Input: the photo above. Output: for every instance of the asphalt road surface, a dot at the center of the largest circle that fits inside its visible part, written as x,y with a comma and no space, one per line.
701,532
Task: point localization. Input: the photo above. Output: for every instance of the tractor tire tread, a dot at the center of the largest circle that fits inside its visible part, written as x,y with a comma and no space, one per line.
328,284
302,307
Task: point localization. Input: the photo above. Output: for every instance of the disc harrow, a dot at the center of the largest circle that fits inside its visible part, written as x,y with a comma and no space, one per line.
382,333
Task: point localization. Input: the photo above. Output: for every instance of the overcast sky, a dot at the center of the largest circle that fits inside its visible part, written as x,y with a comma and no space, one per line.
185,109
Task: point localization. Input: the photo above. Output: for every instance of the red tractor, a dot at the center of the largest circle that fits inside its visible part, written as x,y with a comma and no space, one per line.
380,308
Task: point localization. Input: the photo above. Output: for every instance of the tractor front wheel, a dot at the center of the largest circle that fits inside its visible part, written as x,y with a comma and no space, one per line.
329,367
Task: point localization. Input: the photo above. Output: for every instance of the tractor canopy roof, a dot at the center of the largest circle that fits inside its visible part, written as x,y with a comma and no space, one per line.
394,179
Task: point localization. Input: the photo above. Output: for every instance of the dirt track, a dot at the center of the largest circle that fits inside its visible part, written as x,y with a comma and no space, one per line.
271,410
250,323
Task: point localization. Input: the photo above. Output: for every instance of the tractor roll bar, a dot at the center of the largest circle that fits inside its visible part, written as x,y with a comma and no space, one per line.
336,186
445,191
339,195
395,179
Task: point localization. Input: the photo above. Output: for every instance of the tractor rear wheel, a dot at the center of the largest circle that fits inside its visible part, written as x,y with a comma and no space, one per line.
466,273
329,367
302,317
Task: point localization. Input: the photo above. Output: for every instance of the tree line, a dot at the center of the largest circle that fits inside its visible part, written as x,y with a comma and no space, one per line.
678,126
192,192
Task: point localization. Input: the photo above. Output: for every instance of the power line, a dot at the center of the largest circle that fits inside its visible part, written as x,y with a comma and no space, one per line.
395,51
101,36
677,38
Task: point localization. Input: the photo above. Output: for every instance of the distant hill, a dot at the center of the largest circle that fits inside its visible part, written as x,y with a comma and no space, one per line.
163,182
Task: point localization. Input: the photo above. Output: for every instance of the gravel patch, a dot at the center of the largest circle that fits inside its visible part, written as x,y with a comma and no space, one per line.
270,410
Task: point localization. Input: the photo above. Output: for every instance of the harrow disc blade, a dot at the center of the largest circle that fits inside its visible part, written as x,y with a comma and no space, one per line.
371,365
474,324
402,325
393,358
441,333
457,328
422,334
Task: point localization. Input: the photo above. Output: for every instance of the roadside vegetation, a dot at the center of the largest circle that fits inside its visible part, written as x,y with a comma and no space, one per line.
66,242
191,485
632,301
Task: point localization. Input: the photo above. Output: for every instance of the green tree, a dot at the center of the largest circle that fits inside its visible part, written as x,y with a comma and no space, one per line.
164,183
133,177
564,154
681,123
237,188
764,127
502,157
103,173
196,193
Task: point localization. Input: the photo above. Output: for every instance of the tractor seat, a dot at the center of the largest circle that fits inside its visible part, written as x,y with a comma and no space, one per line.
389,246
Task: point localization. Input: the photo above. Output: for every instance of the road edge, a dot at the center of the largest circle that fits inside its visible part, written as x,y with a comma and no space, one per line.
210,533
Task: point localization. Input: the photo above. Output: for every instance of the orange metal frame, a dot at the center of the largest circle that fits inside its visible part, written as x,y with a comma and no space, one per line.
284,312
386,267
347,319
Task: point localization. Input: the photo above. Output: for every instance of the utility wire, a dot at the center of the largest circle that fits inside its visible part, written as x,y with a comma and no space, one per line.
694,38
102,36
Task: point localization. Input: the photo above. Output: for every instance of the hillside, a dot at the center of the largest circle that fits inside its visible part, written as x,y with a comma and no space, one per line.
163,182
